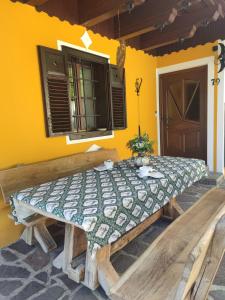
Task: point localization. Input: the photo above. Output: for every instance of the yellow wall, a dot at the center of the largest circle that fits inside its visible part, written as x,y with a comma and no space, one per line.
185,55
22,136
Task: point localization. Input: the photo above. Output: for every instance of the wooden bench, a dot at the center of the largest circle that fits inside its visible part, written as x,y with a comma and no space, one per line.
182,262
24,176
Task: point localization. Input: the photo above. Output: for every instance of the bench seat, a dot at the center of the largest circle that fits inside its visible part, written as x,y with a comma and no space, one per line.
169,268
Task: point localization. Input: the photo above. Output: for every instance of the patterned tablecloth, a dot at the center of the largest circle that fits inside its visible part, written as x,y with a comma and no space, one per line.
107,204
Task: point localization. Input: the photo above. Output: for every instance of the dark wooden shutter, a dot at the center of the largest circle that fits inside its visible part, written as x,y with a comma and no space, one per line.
118,98
55,92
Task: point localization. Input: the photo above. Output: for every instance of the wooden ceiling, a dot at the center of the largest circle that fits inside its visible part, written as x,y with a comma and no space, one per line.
155,26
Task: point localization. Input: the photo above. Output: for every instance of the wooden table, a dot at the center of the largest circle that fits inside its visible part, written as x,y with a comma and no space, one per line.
97,267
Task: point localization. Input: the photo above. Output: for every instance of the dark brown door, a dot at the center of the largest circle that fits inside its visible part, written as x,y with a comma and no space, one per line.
183,113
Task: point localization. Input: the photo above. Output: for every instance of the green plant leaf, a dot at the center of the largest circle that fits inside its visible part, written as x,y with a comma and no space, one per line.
141,144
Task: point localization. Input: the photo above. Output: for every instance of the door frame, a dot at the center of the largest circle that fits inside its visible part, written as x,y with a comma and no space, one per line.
202,122
220,163
209,62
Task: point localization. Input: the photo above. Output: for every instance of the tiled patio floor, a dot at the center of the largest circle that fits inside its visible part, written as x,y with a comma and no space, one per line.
27,273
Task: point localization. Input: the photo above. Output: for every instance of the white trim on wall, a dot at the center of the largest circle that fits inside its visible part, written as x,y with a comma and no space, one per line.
220,121
59,46
106,137
207,61
62,43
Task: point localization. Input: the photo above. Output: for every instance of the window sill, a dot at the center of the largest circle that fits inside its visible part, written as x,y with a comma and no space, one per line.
88,137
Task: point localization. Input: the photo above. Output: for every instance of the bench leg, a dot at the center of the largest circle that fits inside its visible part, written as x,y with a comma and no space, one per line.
40,233
28,236
202,263
43,237
35,229
211,263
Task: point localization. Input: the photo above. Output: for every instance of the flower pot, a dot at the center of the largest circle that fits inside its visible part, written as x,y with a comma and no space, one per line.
142,160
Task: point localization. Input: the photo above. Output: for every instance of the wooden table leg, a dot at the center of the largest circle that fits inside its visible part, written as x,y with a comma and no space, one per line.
91,271
71,243
76,244
99,269
43,237
172,209
107,275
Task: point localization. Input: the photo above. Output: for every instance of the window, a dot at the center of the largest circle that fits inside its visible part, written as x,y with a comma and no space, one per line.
82,93
83,96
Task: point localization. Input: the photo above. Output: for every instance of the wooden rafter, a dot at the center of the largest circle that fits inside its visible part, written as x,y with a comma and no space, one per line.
204,35
145,18
156,26
94,12
184,27
149,17
221,2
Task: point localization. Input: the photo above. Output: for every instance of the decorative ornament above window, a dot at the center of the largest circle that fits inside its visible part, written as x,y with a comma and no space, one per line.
86,39
220,58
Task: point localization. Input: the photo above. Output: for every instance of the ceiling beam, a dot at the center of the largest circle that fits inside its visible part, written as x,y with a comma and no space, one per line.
211,33
36,2
144,18
222,3
149,17
92,12
184,27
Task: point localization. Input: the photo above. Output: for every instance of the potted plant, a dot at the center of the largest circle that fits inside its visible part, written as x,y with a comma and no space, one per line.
142,146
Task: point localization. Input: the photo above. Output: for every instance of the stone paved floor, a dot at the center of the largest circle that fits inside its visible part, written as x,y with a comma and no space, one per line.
27,273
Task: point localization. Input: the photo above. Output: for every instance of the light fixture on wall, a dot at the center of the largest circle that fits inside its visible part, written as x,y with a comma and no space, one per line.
87,41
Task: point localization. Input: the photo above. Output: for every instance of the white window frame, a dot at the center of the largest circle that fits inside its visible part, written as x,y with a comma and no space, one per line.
60,44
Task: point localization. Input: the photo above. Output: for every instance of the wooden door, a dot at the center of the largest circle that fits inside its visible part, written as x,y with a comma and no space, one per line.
183,113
